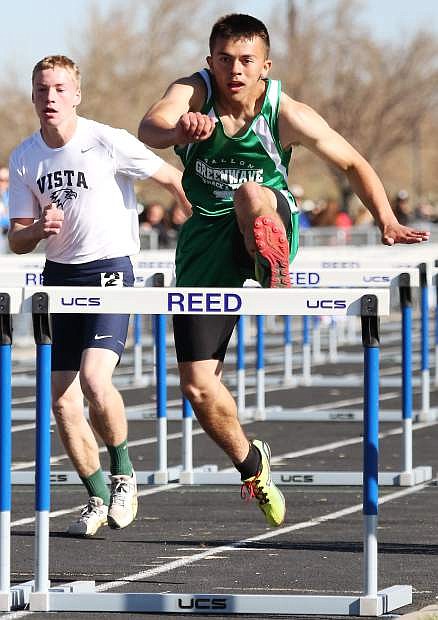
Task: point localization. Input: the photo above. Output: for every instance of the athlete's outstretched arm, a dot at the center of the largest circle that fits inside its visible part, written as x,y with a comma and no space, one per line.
25,233
170,178
176,118
300,124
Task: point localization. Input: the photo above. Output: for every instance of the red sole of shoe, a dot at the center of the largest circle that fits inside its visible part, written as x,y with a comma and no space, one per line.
272,244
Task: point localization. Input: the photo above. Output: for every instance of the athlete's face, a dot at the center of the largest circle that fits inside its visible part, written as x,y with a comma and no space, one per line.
55,95
238,65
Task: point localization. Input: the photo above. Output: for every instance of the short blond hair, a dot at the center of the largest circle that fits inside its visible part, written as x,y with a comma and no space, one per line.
50,62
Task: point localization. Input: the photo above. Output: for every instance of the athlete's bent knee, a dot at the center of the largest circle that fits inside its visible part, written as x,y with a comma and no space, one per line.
199,395
67,409
95,391
249,193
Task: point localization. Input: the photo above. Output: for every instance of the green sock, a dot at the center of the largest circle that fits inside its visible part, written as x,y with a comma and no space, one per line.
120,463
97,487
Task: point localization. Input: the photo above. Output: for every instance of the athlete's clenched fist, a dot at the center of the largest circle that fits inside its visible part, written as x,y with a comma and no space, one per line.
51,221
194,127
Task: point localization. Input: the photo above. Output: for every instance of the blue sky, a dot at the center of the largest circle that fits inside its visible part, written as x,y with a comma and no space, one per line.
32,29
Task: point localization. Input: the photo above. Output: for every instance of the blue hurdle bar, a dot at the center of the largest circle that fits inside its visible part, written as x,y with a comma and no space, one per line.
6,450
43,341
288,353
436,326
187,443
138,349
240,365
306,351
161,475
425,372
406,312
370,341
260,365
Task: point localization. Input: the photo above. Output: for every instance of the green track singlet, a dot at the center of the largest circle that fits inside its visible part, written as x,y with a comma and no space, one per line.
210,246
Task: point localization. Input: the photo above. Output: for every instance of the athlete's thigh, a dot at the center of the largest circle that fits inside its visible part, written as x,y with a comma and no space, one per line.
202,337
203,375
67,341
97,366
106,331
66,387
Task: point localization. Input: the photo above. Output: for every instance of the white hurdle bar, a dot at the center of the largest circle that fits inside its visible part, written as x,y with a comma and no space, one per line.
78,596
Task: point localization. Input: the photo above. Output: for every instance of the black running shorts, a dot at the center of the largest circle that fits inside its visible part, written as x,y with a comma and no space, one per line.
73,333
206,337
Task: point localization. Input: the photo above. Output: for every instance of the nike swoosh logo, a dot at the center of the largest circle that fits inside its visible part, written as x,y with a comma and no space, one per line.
87,149
98,337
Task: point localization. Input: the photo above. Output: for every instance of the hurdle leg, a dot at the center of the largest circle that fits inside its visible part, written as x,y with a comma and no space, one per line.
333,341
5,452
288,352
240,366
406,476
374,602
370,459
436,327
306,377
316,340
161,475
138,350
42,468
260,407
186,476
425,414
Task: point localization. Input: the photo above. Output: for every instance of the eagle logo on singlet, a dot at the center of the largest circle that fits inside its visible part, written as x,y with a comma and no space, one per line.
60,197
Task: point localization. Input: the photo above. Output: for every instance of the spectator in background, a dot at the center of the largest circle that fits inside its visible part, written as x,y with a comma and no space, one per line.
176,218
360,214
4,199
298,193
328,213
324,213
424,211
154,217
303,206
342,219
402,208
306,214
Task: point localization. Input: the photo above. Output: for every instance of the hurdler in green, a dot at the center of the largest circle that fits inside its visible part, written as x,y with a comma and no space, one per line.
208,251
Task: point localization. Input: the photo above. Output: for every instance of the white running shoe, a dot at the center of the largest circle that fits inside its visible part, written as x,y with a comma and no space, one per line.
123,503
92,517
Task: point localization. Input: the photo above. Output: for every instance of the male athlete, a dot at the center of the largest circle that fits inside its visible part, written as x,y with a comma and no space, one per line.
234,130
71,183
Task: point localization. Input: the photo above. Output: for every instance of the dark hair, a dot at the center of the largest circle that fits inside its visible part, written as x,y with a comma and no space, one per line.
239,26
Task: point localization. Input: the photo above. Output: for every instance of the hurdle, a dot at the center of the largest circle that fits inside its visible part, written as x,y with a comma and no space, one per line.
162,474
407,475
6,450
435,282
78,596
422,256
